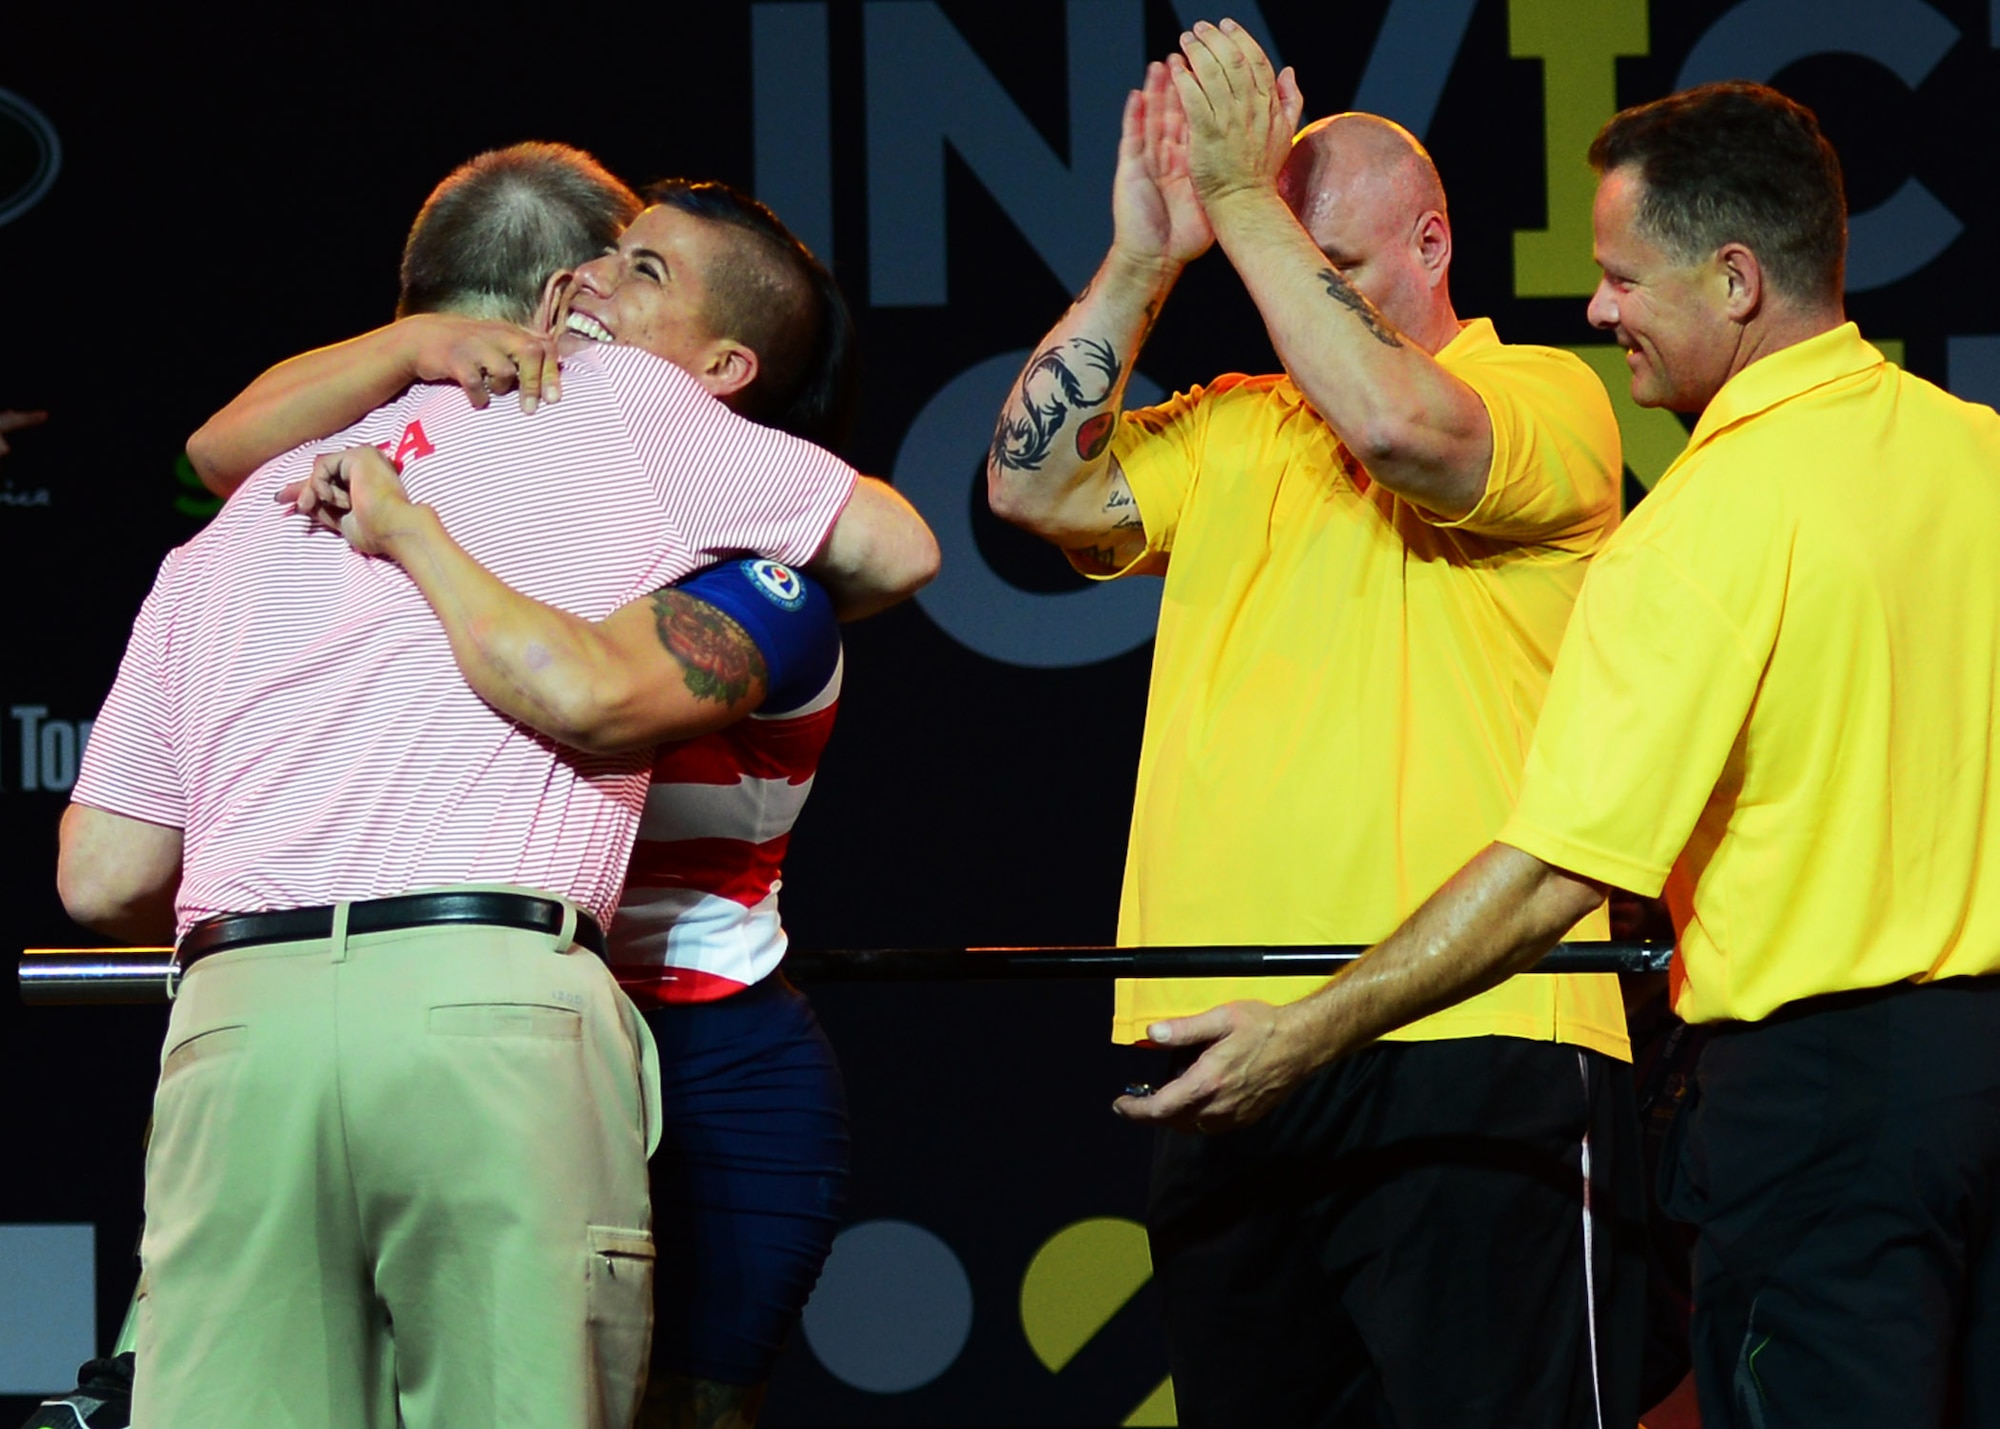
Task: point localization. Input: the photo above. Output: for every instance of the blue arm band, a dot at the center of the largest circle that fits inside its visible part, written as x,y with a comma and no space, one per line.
787,616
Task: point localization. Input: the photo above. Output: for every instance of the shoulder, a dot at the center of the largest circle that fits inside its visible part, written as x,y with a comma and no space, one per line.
1548,373
1233,402
787,616
635,372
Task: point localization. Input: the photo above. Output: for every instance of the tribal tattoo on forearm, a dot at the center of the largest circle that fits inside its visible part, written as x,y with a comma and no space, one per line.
1349,297
1048,392
720,661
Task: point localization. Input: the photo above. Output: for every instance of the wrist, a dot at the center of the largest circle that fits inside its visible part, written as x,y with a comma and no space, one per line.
410,337
1304,1033
1233,206
1138,272
407,530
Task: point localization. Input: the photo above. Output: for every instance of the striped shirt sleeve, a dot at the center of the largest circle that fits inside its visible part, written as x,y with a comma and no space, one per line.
733,485
129,766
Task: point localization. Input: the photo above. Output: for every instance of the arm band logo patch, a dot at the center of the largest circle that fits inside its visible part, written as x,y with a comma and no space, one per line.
780,584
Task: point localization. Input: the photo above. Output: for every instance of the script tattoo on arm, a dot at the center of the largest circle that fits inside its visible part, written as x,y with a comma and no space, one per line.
1048,392
1113,557
1097,560
719,660
1345,293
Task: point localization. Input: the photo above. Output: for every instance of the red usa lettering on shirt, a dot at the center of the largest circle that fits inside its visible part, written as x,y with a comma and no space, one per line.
414,444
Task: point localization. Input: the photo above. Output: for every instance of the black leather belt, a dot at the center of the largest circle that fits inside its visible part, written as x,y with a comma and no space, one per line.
385,915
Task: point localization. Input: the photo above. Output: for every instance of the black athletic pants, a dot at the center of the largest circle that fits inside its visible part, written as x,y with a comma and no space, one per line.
1441,1234
1842,1168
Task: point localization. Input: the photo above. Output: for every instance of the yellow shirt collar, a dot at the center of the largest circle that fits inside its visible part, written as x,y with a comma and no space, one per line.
1473,335
1783,375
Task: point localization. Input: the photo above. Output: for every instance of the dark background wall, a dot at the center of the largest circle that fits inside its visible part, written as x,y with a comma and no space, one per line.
223,186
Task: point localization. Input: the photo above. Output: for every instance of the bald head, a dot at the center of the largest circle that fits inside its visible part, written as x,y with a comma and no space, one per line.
1367,192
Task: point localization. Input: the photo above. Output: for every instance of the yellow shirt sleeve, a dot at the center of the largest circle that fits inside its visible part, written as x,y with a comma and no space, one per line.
1556,457
1160,450
1640,738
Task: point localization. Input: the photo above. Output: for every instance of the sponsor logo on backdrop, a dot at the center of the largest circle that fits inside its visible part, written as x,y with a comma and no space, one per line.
12,495
49,750
30,156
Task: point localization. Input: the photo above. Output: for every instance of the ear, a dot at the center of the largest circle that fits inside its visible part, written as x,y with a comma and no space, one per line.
555,293
1743,279
1433,245
727,368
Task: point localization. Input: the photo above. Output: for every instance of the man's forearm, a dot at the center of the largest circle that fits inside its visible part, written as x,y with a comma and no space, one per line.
1047,468
1495,917
1418,430
313,395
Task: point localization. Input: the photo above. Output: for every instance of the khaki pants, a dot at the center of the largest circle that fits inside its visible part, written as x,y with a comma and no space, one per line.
399,1178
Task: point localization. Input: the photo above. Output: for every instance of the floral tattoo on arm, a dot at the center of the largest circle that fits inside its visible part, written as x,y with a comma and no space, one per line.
718,660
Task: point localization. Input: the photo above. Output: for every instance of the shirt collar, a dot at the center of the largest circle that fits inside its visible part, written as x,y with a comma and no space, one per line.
1785,374
1473,335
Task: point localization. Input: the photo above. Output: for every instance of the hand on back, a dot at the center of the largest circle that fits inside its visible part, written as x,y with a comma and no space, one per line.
357,493
483,357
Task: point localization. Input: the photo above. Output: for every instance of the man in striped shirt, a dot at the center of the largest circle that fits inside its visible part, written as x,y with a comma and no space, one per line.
749,1182
349,1137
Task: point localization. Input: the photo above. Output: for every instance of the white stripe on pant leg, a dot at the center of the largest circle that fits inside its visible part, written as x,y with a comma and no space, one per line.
1589,1256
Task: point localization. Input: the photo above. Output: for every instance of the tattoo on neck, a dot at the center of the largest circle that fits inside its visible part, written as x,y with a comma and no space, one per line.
1048,392
719,661
1345,293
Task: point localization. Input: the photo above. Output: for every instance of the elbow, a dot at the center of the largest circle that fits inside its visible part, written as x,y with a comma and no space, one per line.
205,456
84,898
1003,498
1013,501
615,711
898,571
921,561
590,719
98,902
1380,442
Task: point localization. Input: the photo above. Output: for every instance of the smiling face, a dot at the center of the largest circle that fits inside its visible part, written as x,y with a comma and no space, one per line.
1670,317
650,290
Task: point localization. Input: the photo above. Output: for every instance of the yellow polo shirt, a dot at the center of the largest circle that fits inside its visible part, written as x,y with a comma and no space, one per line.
1780,695
1344,686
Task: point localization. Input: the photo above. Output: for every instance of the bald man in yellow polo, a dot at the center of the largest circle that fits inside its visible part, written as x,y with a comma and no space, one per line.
1369,561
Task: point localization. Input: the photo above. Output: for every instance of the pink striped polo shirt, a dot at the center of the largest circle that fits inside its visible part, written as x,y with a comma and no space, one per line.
294,707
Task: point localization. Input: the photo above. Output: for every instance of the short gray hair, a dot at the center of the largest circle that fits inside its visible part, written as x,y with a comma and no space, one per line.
488,237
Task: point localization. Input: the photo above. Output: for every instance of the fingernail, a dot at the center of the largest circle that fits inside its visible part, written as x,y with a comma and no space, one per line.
1161,1033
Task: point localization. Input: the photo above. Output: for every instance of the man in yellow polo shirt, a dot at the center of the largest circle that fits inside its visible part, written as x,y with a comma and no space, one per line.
1369,563
1779,699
